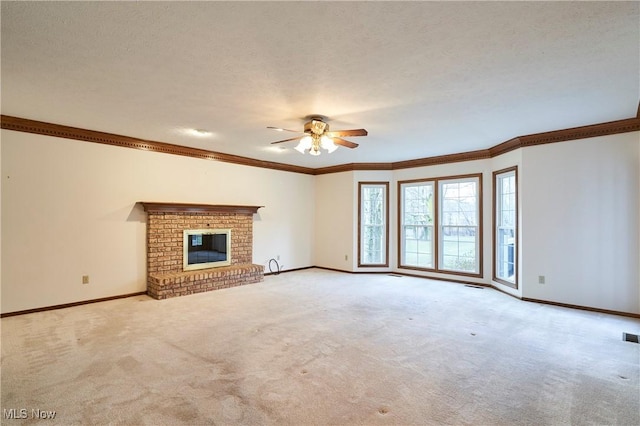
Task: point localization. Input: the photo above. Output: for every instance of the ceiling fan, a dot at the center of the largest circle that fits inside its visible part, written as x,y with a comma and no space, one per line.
316,135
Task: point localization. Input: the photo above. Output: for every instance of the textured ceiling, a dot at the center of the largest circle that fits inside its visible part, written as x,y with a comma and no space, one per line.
424,78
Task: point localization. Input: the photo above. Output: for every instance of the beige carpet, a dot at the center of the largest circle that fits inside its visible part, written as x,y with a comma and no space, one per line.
322,347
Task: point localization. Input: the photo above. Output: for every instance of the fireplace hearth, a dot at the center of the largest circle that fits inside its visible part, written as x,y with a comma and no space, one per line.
192,248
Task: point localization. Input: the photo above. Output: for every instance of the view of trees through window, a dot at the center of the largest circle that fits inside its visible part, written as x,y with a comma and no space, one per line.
449,227
440,223
459,225
417,225
373,224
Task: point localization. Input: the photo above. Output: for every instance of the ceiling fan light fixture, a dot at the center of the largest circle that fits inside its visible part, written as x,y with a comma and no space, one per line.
304,144
316,136
318,127
327,143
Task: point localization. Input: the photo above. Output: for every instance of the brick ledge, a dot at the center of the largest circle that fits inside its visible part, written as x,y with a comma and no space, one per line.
172,284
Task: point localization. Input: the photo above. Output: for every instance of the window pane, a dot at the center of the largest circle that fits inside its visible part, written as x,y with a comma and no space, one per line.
506,254
459,248
373,217
417,244
506,221
459,225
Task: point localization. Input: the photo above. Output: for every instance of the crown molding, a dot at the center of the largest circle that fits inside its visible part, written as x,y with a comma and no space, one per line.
443,159
555,136
582,132
352,167
67,132
504,147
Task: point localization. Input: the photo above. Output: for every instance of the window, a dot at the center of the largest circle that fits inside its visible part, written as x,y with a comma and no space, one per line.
459,225
373,229
417,220
506,226
196,240
440,224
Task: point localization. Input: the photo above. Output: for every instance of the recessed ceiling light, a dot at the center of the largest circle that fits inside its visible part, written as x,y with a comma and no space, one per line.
192,132
200,132
276,149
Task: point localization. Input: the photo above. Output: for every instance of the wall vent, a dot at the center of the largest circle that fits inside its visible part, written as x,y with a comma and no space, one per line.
628,337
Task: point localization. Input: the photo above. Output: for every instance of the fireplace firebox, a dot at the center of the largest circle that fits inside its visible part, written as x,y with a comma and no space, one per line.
206,248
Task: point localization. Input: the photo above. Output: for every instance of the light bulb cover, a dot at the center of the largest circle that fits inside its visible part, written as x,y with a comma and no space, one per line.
327,143
304,144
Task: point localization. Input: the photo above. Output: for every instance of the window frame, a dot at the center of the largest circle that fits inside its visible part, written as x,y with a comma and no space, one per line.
401,225
437,267
478,240
496,174
385,251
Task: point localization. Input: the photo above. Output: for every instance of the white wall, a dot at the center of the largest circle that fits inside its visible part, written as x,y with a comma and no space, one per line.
579,197
69,209
335,221
580,222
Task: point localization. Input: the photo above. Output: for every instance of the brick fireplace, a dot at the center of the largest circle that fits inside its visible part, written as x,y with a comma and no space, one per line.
165,226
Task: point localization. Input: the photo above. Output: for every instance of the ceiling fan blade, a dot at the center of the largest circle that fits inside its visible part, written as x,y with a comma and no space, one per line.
280,129
289,140
342,142
354,132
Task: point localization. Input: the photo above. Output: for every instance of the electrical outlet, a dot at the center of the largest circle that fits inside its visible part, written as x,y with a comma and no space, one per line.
346,257
541,279
278,257
85,279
